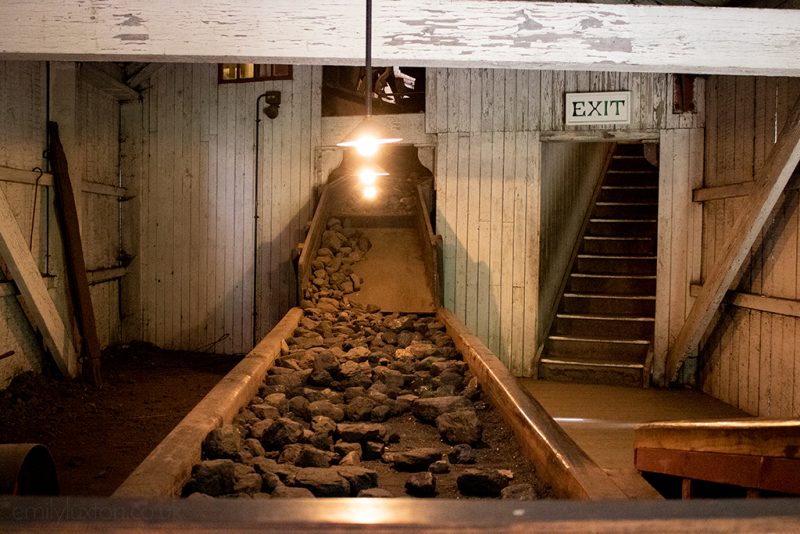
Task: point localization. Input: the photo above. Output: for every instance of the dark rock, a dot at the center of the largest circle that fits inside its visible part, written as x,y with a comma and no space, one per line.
277,400
263,465
321,423
482,482
303,455
472,390
421,484
320,378
461,454
326,408
414,459
246,480
521,492
213,477
343,448
429,409
326,361
351,458
281,433
258,429
299,406
254,447
358,477
268,411
361,432
269,481
292,380
380,413
462,426
372,450
223,442
286,492
321,440
322,482
439,467
359,409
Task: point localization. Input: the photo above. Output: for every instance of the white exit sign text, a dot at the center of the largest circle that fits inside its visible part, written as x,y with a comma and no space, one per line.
598,108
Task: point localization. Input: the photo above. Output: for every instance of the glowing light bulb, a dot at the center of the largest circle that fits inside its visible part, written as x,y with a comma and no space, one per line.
370,192
367,146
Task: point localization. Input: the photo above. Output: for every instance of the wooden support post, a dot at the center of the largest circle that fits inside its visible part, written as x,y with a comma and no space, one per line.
42,309
770,183
76,266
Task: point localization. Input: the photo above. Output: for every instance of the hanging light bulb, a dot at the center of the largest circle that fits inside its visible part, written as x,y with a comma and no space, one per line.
366,137
368,175
370,192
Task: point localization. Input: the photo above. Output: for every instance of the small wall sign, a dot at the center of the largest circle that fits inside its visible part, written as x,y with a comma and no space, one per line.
598,108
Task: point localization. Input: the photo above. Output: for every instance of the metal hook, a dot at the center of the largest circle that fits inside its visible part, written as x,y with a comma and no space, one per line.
35,198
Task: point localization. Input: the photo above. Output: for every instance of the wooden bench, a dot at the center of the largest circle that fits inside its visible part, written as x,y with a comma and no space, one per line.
755,454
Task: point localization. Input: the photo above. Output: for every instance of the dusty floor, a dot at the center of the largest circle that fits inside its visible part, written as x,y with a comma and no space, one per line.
98,436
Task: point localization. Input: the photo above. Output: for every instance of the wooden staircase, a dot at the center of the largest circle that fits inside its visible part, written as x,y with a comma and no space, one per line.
603,329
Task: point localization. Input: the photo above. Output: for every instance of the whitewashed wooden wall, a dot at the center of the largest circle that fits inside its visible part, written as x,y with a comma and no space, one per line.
752,359
570,172
23,114
193,275
488,124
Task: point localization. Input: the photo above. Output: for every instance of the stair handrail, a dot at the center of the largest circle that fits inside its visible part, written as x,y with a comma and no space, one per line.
433,247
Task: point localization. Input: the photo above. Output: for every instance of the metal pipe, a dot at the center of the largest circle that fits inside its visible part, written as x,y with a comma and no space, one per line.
368,74
255,218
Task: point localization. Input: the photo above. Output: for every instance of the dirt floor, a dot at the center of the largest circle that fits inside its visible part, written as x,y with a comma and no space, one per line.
97,437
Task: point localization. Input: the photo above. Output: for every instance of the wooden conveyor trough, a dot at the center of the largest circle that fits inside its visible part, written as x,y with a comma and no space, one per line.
403,269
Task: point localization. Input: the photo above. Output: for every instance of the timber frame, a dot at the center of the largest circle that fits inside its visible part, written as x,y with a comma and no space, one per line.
463,33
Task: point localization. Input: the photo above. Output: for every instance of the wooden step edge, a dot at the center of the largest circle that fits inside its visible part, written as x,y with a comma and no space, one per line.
615,276
598,340
547,360
615,257
625,187
604,318
620,237
613,297
625,221
638,204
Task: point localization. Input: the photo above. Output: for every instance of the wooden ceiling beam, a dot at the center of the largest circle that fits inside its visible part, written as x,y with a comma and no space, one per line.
457,33
766,191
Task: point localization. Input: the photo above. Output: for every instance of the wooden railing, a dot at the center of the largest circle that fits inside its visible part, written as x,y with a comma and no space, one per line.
312,241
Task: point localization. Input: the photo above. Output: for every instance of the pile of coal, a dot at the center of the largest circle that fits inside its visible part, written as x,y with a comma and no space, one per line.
332,275
324,413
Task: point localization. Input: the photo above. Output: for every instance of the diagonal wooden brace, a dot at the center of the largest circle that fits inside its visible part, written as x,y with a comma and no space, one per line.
42,309
770,182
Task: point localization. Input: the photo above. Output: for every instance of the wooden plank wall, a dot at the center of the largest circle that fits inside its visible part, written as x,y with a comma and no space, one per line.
679,236
488,123
23,114
751,359
195,240
22,140
570,172
97,161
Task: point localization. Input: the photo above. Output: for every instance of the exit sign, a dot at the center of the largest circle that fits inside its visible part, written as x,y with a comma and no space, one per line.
598,108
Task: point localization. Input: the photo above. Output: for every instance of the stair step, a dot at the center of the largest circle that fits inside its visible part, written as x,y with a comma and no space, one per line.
625,210
591,373
640,178
597,264
629,149
610,350
631,163
643,306
605,284
628,193
618,245
604,327
622,227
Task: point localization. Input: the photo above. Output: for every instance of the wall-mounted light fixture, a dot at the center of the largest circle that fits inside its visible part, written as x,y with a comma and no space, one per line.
272,99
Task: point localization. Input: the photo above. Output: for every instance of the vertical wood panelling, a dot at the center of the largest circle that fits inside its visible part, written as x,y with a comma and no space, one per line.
196,212
680,171
93,157
487,123
751,359
486,216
